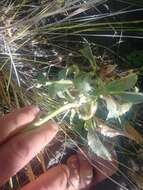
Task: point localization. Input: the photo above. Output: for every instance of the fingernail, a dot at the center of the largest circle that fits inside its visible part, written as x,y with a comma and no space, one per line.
35,109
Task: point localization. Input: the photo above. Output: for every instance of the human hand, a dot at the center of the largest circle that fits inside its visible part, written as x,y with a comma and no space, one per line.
17,149
85,174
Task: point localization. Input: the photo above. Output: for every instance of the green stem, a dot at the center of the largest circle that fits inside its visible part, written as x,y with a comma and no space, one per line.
60,82
55,113
63,82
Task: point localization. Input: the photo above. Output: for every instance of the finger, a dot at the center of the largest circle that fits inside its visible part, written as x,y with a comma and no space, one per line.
104,169
86,172
74,179
13,122
17,152
54,179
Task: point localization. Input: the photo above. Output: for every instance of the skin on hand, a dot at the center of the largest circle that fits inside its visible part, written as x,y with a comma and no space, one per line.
81,172
54,179
17,149
13,122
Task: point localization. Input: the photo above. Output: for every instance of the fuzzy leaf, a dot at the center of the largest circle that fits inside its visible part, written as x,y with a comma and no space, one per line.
107,131
111,107
87,110
115,109
107,71
56,88
87,53
96,145
131,97
42,77
82,84
71,71
62,74
125,83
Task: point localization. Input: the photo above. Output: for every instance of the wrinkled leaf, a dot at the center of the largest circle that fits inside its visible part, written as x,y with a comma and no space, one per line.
42,77
87,110
125,83
115,109
107,131
71,71
124,108
63,74
82,84
87,53
111,107
56,88
96,145
107,71
131,97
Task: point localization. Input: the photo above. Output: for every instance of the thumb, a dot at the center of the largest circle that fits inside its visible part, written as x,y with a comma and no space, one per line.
54,179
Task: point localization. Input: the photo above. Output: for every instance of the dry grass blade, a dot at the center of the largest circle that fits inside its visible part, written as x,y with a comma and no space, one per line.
40,157
134,134
30,173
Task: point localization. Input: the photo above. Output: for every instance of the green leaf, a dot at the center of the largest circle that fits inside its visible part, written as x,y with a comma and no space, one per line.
57,87
122,84
116,109
90,123
87,110
131,97
87,53
63,74
42,77
69,72
96,145
82,84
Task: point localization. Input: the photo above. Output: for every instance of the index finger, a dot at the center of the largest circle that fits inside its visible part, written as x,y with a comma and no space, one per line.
18,151
15,121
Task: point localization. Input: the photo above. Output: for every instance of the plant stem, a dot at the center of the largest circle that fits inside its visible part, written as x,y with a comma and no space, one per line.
57,112
64,82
